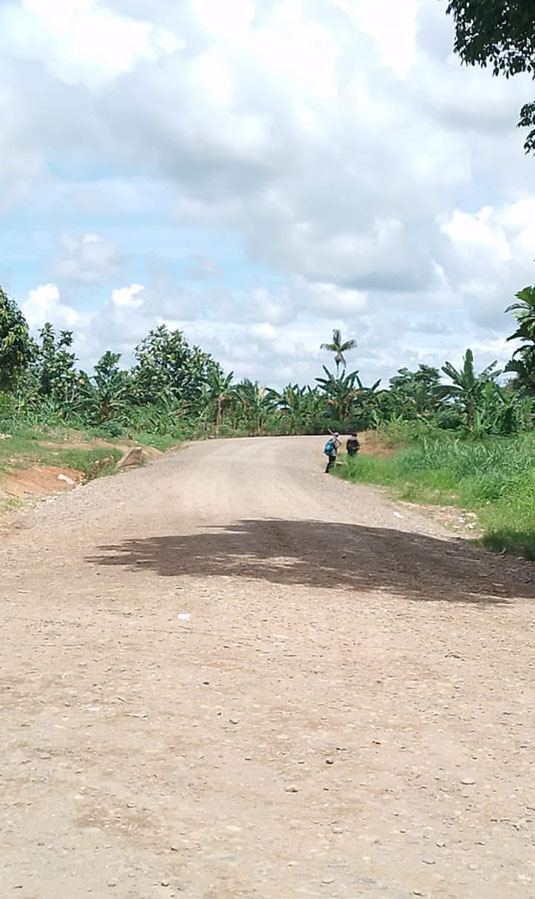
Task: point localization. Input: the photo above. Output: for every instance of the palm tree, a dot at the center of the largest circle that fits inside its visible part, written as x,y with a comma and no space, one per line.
467,387
339,347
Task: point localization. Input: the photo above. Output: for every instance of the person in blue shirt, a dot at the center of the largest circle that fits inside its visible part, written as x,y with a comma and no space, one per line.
331,450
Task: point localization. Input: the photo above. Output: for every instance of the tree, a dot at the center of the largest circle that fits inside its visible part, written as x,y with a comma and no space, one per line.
467,387
415,394
347,398
254,405
502,411
523,362
339,347
300,407
54,365
16,346
524,372
499,34
167,366
218,393
105,395
524,312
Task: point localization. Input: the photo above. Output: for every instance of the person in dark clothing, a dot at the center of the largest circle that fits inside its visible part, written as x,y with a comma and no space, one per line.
331,450
352,445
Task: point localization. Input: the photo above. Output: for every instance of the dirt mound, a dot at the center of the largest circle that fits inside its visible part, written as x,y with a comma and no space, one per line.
150,453
97,443
371,445
42,480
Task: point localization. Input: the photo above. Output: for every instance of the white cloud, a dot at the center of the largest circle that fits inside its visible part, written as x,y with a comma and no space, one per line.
81,41
396,40
490,258
90,260
125,297
475,232
357,166
302,297
227,21
44,304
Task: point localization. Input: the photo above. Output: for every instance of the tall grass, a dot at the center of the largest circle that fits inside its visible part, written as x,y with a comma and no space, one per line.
494,477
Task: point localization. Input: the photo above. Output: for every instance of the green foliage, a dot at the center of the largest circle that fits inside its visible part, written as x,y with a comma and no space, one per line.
527,120
500,35
300,408
168,367
253,407
467,389
53,370
23,444
218,396
110,430
523,362
524,312
107,394
92,463
349,404
176,391
15,343
34,445
415,394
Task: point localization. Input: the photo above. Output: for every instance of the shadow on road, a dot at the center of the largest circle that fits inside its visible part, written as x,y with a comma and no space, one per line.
328,555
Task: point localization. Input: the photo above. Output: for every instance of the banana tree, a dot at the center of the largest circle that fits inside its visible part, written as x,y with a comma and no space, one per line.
467,387
366,403
523,362
254,405
346,395
523,367
415,394
106,394
524,312
299,405
217,395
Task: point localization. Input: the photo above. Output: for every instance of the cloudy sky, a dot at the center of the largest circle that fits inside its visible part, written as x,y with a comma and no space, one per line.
258,172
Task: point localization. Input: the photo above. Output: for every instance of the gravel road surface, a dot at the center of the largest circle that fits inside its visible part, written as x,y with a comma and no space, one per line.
228,675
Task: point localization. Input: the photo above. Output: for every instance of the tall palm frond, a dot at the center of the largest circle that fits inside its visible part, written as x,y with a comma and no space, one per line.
339,347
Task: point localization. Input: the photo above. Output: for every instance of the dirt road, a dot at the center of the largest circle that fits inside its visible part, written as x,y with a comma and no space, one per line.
227,675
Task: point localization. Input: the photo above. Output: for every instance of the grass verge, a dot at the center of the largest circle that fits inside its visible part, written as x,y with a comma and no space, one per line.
493,477
94,458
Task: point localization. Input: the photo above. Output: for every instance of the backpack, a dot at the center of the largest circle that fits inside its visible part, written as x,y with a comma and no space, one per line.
329,447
